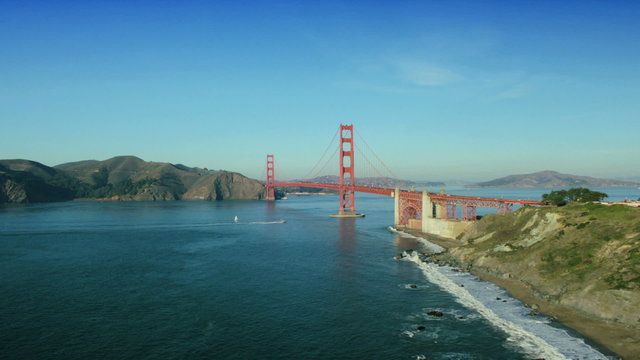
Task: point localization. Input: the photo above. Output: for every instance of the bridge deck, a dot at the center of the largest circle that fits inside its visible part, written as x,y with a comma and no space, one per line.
363,189
440,198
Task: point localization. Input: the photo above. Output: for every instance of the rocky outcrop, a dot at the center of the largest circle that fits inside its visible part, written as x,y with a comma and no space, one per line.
435,313
23,181
585,257
12,192
225,185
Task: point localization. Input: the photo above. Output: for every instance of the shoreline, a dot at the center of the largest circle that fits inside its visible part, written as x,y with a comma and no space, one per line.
618,339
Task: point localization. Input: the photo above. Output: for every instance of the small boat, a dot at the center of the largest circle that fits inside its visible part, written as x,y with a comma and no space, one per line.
235,219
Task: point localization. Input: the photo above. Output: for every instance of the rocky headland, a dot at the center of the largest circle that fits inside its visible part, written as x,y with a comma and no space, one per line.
120,178
579,263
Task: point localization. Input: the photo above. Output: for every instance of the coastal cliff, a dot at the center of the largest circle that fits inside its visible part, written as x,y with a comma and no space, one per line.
222,185
584,258
23,181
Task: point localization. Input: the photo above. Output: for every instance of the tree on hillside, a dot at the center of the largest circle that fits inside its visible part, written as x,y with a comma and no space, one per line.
558,197
585,195
562,197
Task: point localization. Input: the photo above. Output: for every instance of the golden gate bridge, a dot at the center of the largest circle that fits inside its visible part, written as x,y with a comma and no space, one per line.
410,206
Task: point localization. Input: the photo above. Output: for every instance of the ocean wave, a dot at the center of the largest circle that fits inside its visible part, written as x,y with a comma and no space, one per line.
429,247
533,335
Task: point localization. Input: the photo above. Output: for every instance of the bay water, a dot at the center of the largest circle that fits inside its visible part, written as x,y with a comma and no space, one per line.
182,280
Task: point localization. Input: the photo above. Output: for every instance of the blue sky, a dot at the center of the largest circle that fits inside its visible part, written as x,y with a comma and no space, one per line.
453,89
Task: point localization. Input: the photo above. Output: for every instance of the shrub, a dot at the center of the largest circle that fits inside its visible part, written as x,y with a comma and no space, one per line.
562,197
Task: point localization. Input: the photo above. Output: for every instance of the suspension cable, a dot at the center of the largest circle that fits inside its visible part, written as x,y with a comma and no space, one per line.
376,171
335,135
395,177
329,161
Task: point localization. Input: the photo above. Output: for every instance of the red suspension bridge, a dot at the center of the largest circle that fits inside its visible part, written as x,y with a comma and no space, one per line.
410,206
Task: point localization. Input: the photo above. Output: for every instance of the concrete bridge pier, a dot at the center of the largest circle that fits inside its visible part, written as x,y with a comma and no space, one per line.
427,206
441,209
439,224
396,206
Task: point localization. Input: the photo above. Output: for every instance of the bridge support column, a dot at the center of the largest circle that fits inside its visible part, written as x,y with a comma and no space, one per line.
441,208
427,210
396,206
468,212
346,193
441,211
427,205
452,211
271,179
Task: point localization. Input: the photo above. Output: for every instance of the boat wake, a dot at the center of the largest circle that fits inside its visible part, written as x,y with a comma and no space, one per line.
234,223
265,222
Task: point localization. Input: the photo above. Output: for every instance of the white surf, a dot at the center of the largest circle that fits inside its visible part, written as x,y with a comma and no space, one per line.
535,335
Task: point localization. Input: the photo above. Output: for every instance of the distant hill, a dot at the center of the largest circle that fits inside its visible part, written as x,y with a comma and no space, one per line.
377,181
384,182
550,179
635,179
456,182
120,178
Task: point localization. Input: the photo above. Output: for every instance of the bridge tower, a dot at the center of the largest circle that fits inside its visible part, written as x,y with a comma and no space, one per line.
347,174
271,179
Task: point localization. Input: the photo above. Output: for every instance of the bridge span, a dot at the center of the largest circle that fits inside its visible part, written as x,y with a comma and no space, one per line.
427,211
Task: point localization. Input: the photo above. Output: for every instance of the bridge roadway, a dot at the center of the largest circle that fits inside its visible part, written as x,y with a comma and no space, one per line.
413,195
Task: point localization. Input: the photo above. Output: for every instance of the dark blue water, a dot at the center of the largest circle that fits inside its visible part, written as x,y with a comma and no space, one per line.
180,280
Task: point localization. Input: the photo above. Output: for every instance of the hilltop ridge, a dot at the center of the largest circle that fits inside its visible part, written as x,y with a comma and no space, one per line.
23,181
120,178
550,179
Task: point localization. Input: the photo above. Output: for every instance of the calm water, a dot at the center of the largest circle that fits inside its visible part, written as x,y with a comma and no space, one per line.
179,280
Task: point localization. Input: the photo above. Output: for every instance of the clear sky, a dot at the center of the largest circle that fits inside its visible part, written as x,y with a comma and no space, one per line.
440,89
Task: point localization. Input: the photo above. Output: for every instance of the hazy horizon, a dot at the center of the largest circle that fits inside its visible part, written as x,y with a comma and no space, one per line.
444,180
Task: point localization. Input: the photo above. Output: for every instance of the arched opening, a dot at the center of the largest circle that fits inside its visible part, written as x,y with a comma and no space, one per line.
409,212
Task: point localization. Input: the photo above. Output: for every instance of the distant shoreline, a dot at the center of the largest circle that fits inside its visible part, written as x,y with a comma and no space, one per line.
472,186
550,179
303,193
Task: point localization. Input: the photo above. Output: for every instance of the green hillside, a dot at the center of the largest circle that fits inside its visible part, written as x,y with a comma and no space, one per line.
582,256
29,181
120,178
